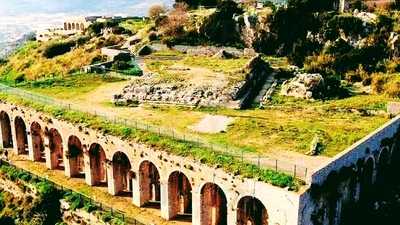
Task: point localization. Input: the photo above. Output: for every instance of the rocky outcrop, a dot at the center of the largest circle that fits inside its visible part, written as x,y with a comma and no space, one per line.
172,94
303,85
233,95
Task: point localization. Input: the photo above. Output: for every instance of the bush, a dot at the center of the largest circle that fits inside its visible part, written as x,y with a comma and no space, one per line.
319,63
220,27
392,89
156,11
58,48
378,82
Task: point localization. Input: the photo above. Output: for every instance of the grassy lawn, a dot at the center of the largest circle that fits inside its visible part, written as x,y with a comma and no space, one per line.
134,25
286,124
69,87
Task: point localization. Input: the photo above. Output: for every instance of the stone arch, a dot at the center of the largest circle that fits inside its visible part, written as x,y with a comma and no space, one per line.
213,205
149,184
98,164
383,166
21,136
56,149
121,173
395,156
73,26
37,142
179,195
82,27
69,26
251,211
75,157
367,178
6,133
65,26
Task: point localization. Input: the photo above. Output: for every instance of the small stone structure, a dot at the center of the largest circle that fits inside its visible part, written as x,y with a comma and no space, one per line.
303,85
211,93
114,51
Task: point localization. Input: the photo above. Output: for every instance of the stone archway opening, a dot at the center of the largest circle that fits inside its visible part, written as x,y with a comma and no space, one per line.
383,169
56,150
6,133
251,211
179,196
21,136
121,174
149,182
37,143
65,26
73,26
98,166
82,27
367,180
69,26
213,205
75,157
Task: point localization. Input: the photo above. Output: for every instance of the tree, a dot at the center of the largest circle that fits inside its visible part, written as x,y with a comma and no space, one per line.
174,24
156,11
190,3
220,27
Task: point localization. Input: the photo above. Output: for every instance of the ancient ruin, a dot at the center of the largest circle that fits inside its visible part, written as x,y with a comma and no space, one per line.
186,189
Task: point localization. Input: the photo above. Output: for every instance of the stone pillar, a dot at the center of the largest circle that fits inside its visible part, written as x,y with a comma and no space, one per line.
88,170
196,208
164,199
47,153
136,190
231,212
30,144
14,136
67,165
110,180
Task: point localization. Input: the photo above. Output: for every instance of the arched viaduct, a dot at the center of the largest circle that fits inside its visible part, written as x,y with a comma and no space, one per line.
74,26
179,187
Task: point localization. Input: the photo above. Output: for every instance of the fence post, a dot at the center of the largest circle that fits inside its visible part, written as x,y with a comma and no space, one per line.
294,173
276,165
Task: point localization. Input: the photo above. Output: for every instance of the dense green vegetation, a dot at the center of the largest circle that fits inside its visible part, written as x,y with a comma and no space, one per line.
42,208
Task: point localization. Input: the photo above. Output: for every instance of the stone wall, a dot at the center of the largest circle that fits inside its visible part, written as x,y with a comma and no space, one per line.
350,177
278,205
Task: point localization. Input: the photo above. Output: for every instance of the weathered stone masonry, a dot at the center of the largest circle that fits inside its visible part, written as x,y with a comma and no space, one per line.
353,178
180,186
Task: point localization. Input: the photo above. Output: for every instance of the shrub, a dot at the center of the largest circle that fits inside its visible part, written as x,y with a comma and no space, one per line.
153,36
174,24
378,82
120,65
58,48
357,75
220,27
156,11
319,63
392,89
